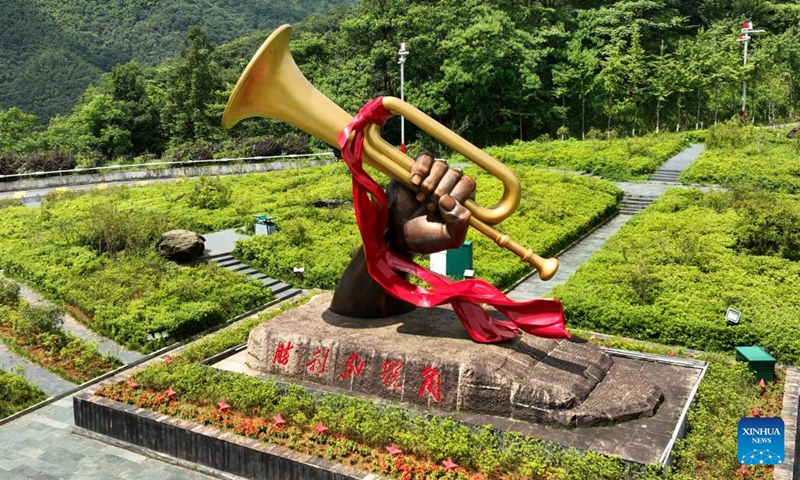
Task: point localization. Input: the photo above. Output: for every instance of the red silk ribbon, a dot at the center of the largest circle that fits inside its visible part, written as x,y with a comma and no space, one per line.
543,317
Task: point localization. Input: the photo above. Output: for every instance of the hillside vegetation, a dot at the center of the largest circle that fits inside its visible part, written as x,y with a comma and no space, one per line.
51,50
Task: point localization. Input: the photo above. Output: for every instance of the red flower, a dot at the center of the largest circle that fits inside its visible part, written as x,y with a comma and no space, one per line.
168,360
449,464
171,394
321,429
132,384
393,450
223,406
279,421
756,412
763,386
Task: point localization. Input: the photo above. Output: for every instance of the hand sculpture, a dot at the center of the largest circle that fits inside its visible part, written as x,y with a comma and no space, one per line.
427,221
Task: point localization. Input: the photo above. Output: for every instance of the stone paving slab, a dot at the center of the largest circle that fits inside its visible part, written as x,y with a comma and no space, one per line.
106,346
48,382
222,241
790,468
569,262
40,445
685,158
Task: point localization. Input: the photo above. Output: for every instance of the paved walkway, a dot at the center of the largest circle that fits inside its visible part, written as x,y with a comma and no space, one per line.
48,382
575,256
222,241
41,446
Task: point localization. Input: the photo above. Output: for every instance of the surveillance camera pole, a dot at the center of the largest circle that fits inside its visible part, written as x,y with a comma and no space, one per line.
747,29
402,61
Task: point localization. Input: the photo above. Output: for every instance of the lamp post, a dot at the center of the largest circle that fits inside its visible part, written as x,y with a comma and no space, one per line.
402,61
747,29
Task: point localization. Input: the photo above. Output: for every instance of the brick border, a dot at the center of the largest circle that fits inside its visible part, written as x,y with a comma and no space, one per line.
790,468
207,446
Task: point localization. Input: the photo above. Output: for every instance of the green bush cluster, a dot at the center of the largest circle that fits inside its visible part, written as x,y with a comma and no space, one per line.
210,193
17,394
9,292
619,159
671,272
761,157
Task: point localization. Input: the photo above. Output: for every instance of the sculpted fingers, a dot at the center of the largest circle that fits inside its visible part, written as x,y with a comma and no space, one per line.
463,189
421,168
435,176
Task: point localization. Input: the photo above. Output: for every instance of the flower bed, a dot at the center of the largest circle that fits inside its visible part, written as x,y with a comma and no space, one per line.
246,404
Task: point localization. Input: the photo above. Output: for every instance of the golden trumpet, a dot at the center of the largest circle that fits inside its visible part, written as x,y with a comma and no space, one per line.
272,86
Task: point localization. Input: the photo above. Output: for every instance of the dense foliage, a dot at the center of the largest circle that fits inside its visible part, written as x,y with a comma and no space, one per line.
17,394
95,253
672,271
556,209
492,71
760,157
620,160
51,50
727,394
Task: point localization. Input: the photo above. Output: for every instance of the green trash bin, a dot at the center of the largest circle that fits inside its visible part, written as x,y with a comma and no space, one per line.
758,360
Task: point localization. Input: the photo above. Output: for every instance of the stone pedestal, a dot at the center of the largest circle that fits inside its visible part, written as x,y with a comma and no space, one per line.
427,358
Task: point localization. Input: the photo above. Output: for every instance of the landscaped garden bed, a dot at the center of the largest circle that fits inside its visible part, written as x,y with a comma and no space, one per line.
670,274
401,444
618,159
761,157
34,332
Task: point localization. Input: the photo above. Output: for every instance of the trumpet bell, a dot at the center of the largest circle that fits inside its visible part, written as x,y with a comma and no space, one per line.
272,86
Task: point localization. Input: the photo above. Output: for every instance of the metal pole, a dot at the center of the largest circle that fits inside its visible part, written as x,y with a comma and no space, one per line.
747,29
402,61
744,80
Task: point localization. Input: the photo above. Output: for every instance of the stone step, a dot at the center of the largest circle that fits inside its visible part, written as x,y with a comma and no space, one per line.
268,282
279,287
256,276
287,294
227,261
249,271
237,267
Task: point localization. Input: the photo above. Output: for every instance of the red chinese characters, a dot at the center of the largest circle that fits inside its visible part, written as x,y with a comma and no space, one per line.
391,371
281,356
431,383
352,367
318,361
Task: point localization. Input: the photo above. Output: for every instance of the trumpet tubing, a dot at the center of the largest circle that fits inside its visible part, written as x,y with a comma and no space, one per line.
272,86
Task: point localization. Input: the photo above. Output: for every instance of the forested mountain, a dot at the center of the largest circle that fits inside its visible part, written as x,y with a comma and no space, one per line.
51,50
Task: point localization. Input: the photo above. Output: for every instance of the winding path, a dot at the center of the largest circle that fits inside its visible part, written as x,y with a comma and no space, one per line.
531,287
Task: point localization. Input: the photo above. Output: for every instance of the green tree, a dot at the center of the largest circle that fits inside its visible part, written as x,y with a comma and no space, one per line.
128,86
16,127
192,89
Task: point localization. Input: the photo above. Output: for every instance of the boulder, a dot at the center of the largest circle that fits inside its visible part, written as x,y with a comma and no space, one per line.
181,245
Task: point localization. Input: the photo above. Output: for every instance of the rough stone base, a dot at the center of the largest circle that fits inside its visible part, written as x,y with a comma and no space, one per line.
427,358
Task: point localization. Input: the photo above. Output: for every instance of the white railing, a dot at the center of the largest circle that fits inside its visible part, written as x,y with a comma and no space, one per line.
147,166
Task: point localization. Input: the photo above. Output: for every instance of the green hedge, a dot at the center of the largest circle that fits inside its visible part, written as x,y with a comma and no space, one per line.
17,394
620,159
555,210
763,157
672,271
